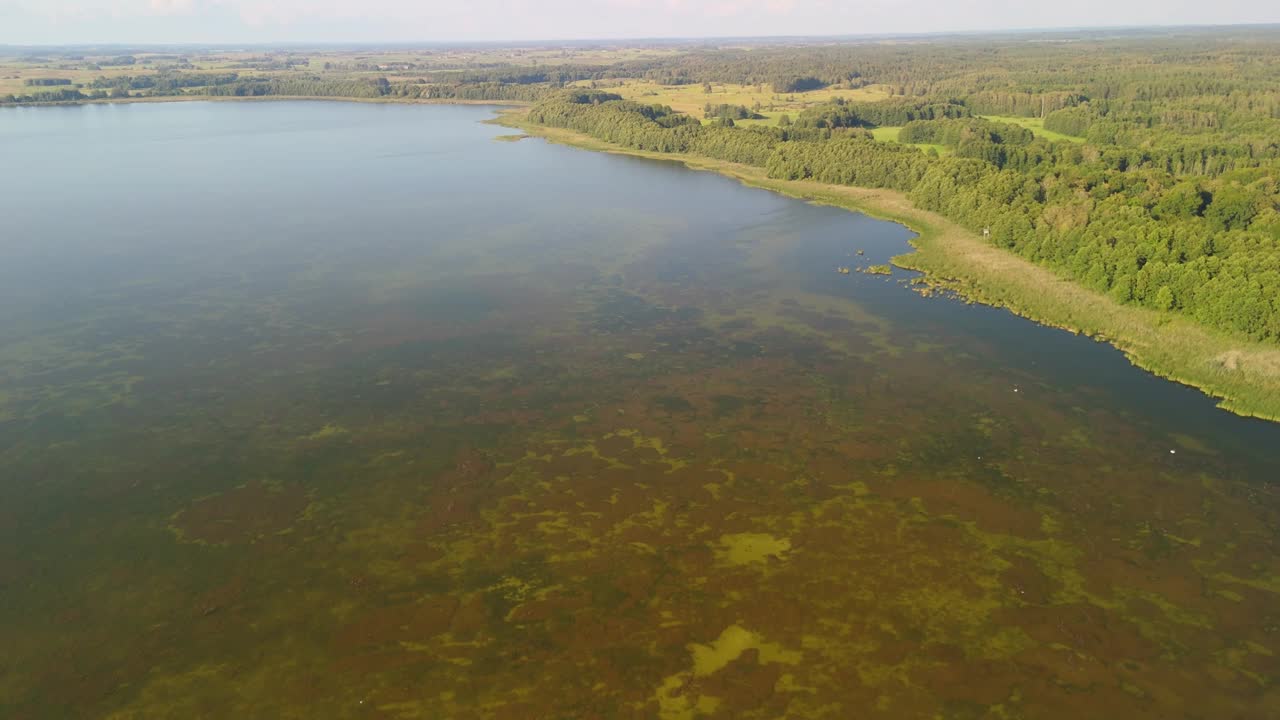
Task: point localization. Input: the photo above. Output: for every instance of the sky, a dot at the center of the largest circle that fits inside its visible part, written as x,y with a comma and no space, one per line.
33,22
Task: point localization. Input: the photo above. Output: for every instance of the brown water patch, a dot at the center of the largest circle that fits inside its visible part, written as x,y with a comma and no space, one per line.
249,513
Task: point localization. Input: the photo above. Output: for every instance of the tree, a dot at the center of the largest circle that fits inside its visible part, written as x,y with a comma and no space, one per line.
1184,200
1232,207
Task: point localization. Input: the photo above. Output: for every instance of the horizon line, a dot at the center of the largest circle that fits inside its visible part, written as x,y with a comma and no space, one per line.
652,39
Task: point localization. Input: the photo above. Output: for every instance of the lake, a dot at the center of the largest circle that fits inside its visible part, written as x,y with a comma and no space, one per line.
343,410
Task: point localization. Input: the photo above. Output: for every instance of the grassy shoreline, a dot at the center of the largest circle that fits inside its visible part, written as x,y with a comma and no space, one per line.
1243,375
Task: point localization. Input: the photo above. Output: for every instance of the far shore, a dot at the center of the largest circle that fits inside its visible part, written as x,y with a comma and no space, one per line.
266,98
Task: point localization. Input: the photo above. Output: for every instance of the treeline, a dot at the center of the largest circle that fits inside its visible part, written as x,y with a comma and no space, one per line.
653,127
874,114
303,87
231,84
793,84
1208,248
372,88
521,75
61,95
45,82
477,92
1069,121
725,111
164,83
1021,104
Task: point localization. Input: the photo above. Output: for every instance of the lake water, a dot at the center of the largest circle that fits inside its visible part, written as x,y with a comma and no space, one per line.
315,410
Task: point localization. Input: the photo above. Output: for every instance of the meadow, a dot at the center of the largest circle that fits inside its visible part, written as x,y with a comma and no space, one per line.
1036,126
692,99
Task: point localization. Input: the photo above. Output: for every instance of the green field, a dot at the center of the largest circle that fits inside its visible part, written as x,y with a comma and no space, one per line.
1035,125
691,99
890,134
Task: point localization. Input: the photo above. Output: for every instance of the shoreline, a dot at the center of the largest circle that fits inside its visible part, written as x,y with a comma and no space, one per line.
1243,376
265,98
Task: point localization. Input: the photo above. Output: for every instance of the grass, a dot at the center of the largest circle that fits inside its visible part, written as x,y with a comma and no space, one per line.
1036,126
770,118
691,99
889,133
1243,374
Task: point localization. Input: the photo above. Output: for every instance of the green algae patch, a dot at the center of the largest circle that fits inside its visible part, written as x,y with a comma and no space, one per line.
733,641
1192,444
679,696
1004,643
751,548
675,704
327,432
1265,583
1049,525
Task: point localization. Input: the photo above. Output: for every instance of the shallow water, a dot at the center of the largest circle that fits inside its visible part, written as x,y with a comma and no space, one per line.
345,410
